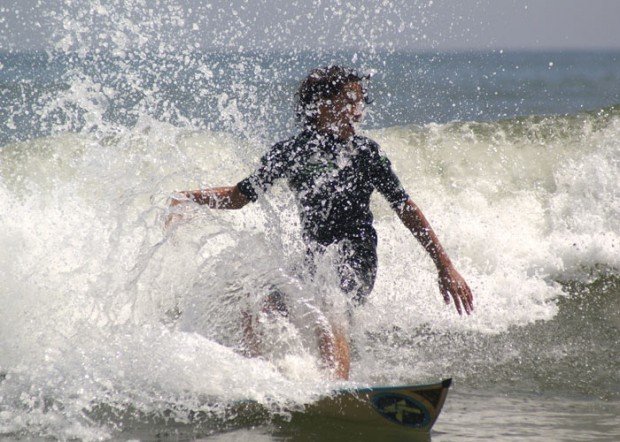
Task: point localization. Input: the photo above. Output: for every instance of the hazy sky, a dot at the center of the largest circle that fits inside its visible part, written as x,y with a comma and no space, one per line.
311,24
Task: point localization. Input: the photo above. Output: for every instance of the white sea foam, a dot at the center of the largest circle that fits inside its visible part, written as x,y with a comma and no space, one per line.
93,284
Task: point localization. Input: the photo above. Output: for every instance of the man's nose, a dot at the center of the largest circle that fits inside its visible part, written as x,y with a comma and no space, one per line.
358,110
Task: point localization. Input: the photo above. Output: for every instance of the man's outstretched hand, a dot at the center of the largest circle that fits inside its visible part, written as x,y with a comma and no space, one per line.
175,214
452,284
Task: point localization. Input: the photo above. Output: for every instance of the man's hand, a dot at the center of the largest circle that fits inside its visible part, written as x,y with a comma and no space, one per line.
215,198
179,198
451,283
176,214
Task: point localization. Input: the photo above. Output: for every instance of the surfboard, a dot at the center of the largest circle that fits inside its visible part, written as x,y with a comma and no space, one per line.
399,413
413,408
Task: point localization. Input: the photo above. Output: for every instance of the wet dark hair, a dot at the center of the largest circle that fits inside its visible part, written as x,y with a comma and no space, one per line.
324,83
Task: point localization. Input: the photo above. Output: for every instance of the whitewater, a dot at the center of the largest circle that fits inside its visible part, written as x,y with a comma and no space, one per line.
114,326
102,305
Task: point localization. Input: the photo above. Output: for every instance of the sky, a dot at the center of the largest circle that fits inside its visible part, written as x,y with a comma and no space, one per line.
310,24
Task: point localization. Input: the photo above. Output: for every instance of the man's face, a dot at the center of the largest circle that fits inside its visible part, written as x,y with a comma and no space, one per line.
344,109
350,102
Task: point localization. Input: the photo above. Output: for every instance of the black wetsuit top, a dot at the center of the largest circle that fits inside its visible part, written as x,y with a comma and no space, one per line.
333,180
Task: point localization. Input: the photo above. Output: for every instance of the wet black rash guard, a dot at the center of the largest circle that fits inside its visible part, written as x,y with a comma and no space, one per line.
332,180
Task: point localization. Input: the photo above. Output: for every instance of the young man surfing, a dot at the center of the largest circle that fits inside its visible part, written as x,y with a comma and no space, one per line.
332,172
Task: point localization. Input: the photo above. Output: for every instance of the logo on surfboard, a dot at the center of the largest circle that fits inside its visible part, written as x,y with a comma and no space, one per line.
400,409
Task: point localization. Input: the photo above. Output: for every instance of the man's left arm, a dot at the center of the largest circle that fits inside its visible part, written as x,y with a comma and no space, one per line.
451,283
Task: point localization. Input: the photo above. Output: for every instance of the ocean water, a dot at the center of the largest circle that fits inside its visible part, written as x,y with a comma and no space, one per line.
113,327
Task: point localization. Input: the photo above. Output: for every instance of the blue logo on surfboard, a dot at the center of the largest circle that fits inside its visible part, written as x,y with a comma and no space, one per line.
400,409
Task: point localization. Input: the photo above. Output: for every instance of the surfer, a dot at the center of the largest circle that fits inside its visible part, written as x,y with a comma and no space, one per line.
332,172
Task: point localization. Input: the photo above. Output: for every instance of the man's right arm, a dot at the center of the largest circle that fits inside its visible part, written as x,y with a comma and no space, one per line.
272,166
215,197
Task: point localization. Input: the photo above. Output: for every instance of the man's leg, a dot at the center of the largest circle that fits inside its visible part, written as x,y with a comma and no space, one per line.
251,340
334,349
273,304
358,270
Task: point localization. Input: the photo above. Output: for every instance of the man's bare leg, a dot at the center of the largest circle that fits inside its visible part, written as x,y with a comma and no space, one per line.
334,349
251,341
273,305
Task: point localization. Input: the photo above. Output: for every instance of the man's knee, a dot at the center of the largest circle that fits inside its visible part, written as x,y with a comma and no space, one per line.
275,303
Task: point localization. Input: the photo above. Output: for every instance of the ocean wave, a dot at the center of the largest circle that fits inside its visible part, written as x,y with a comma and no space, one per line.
103,305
